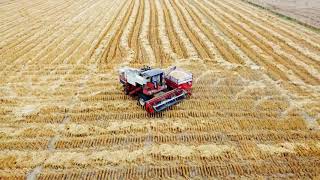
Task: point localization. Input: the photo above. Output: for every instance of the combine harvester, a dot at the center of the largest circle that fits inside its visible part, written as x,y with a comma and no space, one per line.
156,89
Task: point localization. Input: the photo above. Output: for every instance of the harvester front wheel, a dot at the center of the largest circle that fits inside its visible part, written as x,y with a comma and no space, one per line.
142,99
142,102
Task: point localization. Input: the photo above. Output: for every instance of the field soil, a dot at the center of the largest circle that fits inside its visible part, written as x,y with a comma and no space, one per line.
254,112
306,11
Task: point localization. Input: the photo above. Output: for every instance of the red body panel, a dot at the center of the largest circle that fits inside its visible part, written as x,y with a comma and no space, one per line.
150,89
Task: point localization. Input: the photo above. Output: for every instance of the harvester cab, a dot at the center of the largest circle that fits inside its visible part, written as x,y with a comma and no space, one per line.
155,89
154,81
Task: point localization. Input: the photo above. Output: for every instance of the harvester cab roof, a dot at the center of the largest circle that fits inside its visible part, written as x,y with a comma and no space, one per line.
154,76
152,72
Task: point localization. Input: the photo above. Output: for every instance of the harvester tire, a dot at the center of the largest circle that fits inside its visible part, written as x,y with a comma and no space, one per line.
142,99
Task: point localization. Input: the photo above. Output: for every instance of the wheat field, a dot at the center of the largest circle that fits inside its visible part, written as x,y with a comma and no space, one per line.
254,111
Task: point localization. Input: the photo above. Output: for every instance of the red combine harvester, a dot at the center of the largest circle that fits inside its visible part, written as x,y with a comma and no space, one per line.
156,89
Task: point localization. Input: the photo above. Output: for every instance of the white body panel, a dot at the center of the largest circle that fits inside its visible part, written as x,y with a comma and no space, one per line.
132,76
